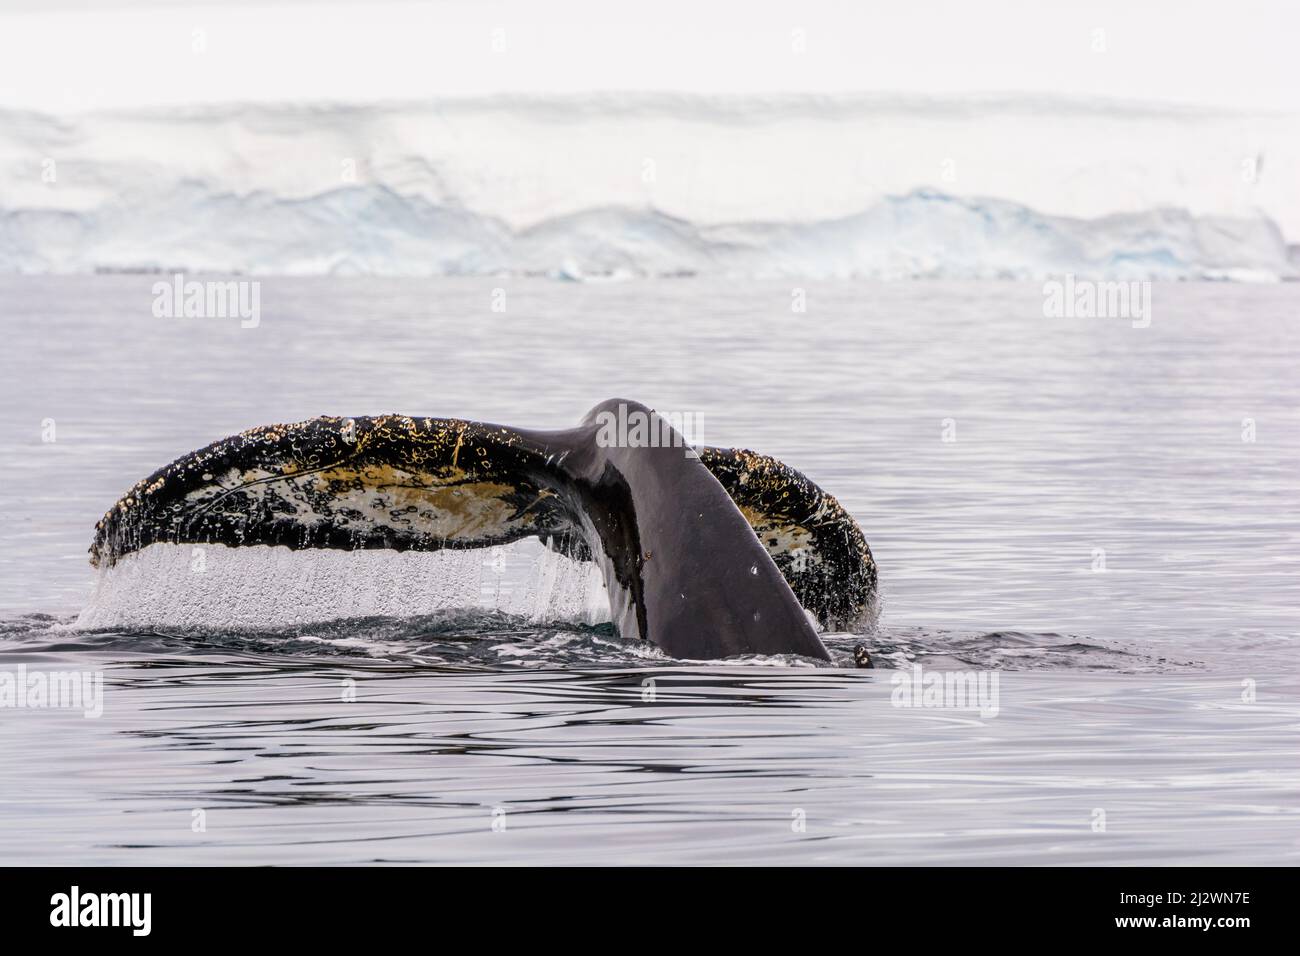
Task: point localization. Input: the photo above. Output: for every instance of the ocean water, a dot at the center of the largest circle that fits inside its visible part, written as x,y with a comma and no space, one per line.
1099,520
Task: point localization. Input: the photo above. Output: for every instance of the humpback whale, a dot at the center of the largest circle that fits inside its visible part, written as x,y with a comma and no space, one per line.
706,552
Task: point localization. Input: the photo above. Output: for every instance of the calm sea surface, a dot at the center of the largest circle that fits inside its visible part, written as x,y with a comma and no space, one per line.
1104,518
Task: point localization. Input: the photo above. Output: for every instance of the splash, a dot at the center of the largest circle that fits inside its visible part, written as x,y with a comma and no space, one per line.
214,588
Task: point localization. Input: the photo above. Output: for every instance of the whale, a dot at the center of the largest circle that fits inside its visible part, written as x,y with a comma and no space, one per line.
705,552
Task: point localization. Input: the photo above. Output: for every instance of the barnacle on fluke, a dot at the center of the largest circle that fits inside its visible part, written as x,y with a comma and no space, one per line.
739,540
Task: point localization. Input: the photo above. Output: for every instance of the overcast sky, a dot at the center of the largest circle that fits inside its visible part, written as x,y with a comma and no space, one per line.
60,55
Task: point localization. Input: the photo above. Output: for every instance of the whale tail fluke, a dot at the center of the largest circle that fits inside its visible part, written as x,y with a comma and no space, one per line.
390,482
668,529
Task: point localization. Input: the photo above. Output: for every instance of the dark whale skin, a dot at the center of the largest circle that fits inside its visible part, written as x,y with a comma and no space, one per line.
684,568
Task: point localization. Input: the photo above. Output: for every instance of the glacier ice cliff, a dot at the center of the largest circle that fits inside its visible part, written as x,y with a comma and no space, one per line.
653,186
